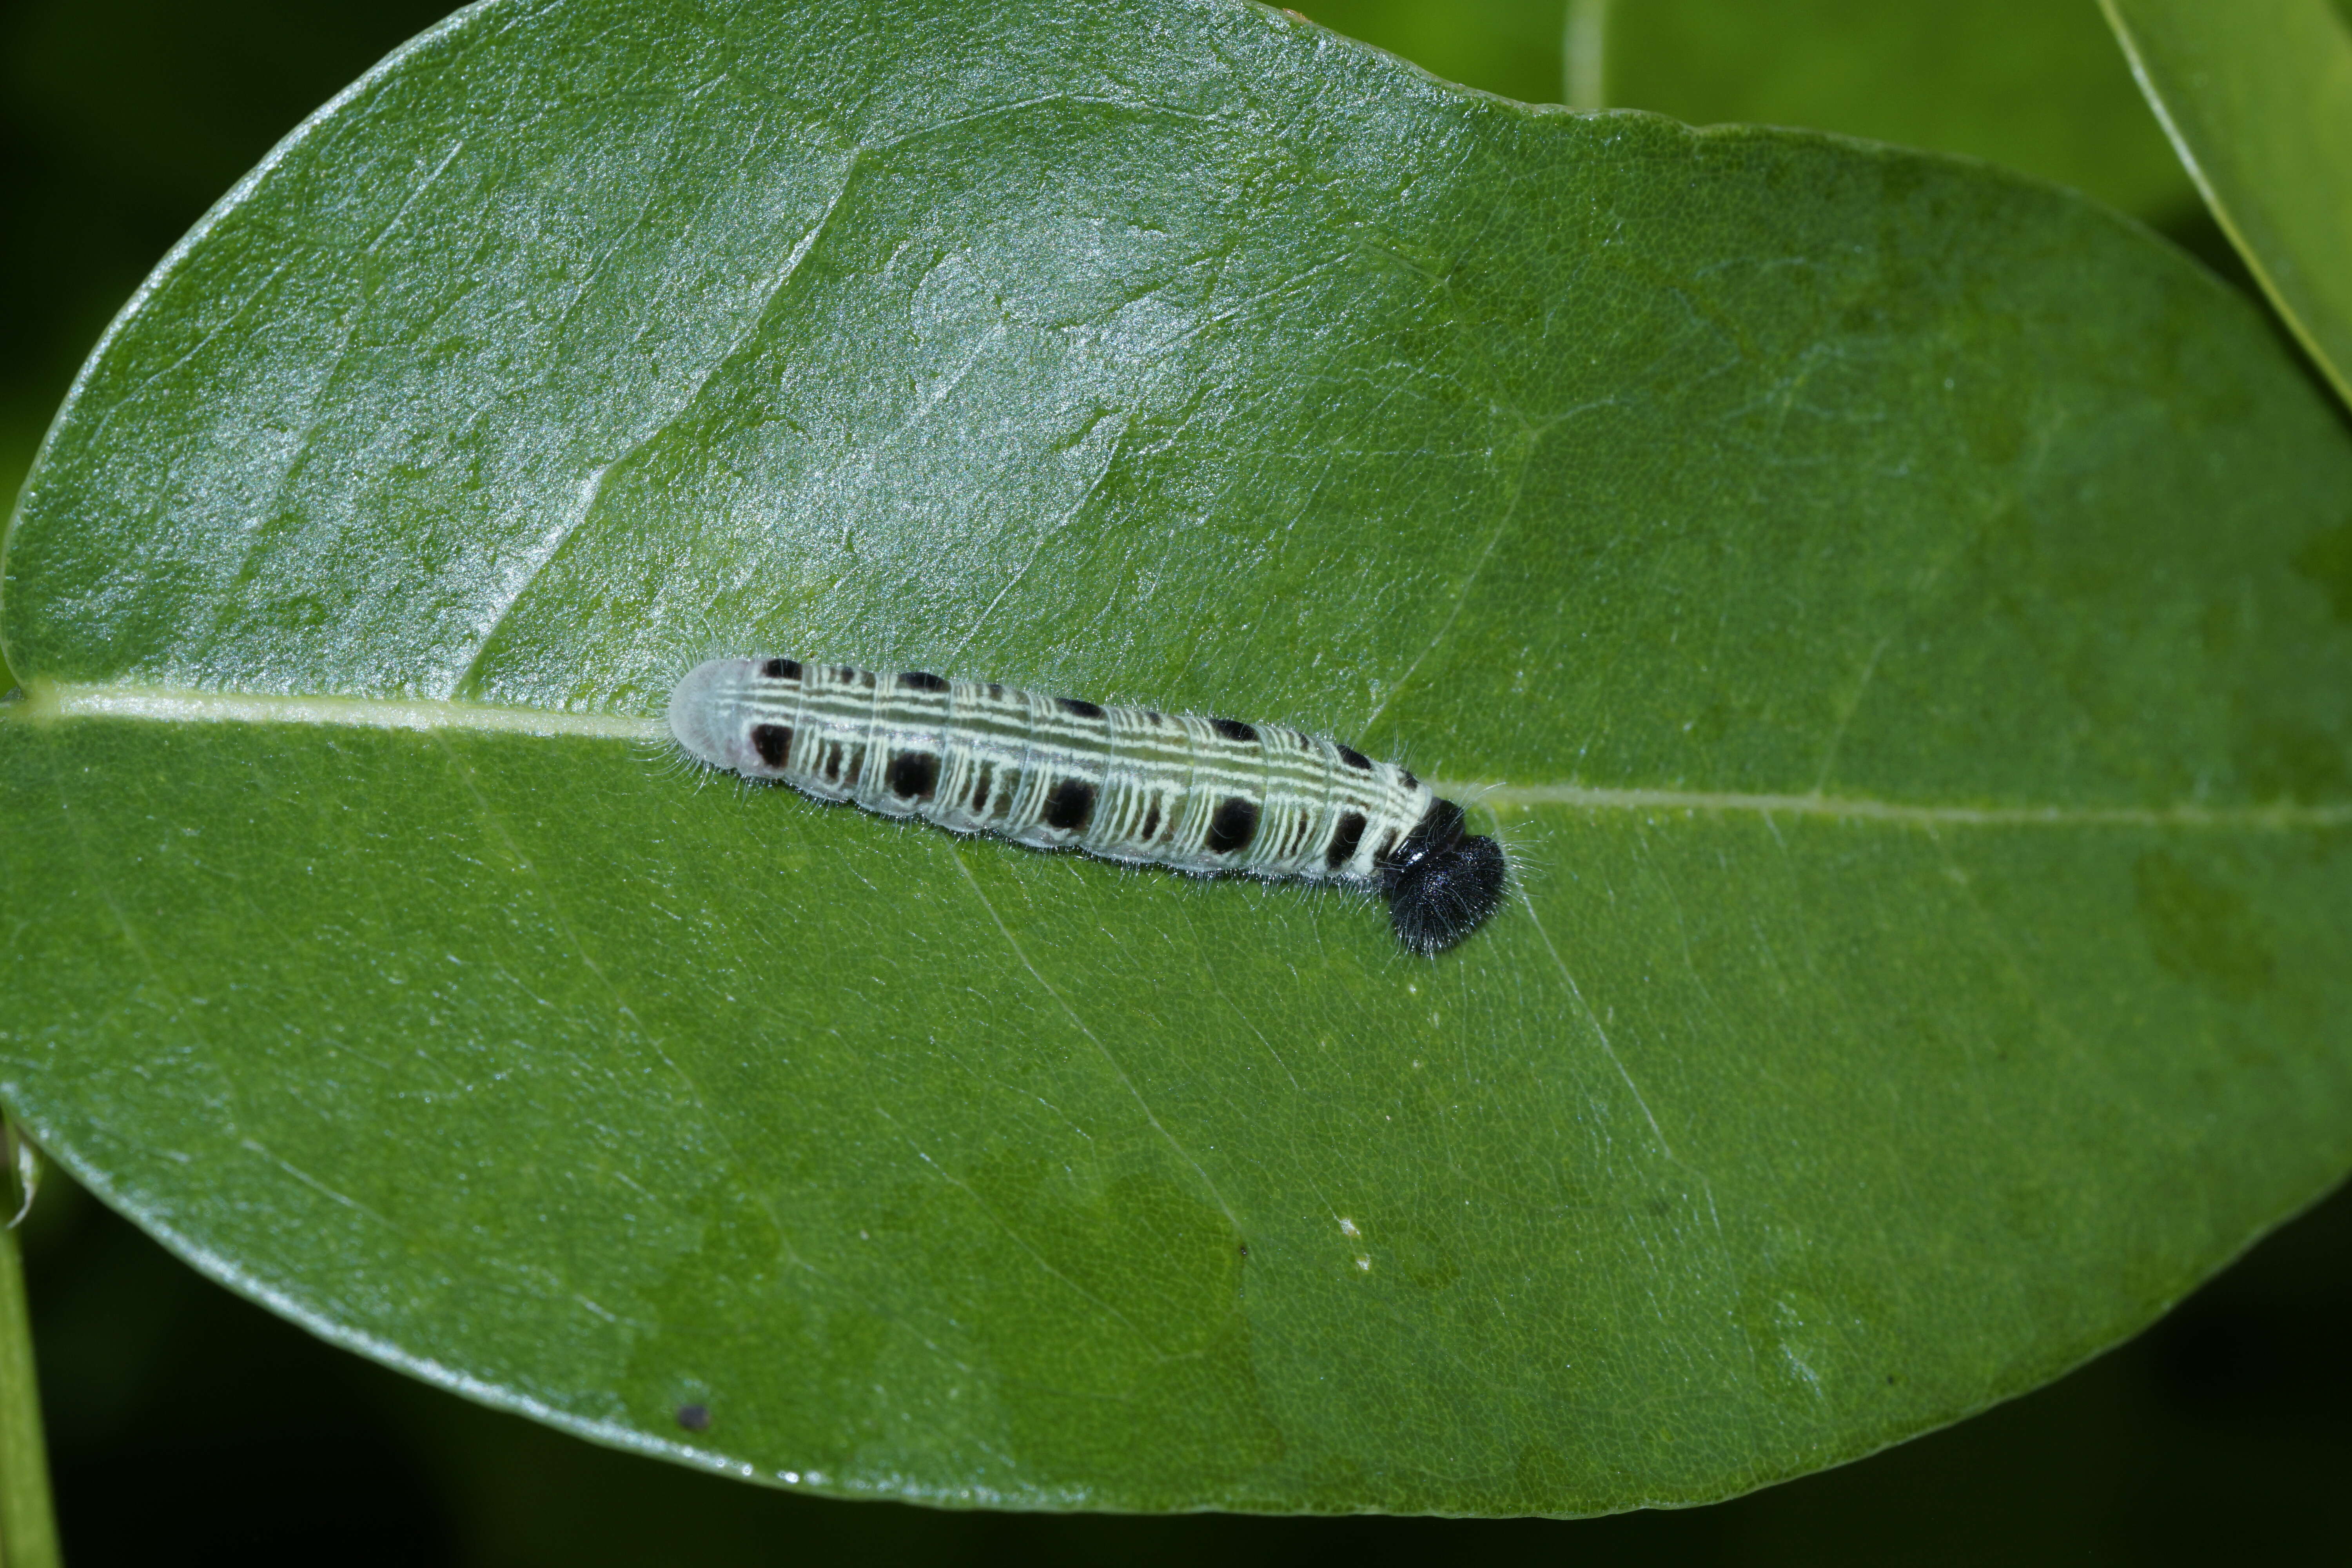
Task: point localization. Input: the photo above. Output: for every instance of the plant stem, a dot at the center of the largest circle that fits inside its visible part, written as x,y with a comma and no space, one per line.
29,1527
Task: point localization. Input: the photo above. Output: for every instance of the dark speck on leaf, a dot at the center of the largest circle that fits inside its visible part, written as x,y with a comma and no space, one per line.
694,1418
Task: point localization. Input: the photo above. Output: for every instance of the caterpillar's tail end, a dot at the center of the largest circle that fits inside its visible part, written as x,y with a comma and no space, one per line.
1446,894
702,712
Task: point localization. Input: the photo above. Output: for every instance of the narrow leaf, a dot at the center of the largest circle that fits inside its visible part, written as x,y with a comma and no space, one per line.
2259,102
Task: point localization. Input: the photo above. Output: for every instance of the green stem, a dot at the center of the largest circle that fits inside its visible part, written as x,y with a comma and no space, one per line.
29,1527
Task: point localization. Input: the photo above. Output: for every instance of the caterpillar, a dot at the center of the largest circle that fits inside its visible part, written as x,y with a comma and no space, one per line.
1198,795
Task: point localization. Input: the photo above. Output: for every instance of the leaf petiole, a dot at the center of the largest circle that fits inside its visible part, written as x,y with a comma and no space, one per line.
28,1529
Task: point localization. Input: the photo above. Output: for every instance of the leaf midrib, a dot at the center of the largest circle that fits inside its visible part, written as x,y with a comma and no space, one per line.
49,702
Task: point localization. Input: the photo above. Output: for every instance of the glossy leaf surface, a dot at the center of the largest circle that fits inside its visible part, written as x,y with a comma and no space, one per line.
1891,601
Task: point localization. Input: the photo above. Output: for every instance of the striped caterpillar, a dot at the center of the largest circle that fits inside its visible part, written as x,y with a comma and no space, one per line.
1201,795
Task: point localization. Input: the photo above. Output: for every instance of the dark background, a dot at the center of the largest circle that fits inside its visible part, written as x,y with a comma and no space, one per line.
189,1425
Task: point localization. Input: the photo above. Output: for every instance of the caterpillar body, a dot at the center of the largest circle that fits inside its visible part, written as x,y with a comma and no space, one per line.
1198,795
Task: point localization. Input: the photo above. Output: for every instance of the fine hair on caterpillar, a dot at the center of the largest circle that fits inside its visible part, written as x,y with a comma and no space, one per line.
1198,795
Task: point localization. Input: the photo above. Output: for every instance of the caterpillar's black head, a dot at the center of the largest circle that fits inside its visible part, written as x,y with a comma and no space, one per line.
1441,883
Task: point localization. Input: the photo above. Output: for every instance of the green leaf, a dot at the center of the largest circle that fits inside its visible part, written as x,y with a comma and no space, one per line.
2032,84
2260,106
15,456
1893,603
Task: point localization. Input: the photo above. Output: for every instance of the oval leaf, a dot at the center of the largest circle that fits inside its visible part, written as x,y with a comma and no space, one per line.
2259,103
1869,593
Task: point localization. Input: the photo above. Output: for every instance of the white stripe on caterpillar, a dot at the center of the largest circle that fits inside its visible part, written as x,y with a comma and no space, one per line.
1201,795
